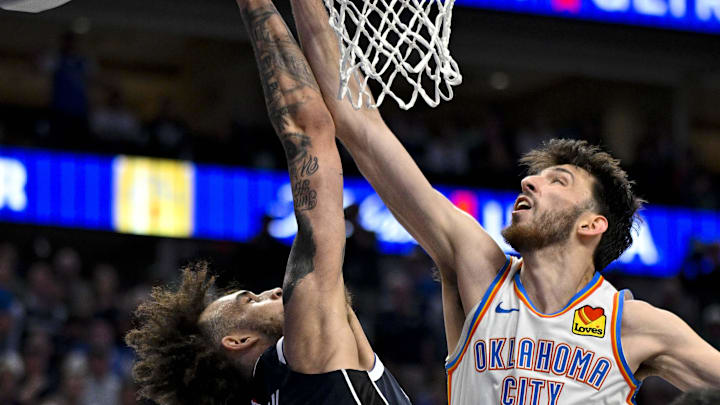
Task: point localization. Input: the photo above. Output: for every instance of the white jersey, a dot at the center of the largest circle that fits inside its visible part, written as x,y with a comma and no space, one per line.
510,353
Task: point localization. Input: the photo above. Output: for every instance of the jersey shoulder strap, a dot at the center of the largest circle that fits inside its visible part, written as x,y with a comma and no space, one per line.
269,373
476,314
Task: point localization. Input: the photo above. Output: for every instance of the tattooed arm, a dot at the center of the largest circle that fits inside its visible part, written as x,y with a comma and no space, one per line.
468,258
318,336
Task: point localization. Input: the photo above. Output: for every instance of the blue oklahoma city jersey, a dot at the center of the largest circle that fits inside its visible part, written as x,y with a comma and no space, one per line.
509,353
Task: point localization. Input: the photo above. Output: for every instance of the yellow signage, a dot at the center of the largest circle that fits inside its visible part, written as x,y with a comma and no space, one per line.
153,196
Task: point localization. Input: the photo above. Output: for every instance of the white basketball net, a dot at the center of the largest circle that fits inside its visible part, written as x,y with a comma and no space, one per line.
394,43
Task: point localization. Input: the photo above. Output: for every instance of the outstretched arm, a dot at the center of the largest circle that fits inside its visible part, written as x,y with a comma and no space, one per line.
466,255
318,336
659,343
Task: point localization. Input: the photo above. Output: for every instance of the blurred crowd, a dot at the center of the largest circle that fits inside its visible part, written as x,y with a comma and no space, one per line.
476,144
60,329
65,306
449,147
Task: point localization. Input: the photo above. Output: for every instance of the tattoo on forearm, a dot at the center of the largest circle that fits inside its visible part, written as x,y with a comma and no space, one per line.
301,166
295,146
309,166
300,262
284,71
305,197
278,54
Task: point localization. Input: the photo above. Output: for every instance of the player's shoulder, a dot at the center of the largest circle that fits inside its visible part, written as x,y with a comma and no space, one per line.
644,318
471,243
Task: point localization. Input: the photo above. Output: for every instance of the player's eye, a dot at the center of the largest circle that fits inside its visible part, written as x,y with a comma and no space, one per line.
248,299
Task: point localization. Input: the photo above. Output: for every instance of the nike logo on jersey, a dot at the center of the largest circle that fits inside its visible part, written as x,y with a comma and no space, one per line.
501,310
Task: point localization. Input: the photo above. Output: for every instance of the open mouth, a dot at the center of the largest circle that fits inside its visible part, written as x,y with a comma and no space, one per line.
522,204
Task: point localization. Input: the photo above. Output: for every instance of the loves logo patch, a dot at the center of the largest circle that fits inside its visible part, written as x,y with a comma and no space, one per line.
589,321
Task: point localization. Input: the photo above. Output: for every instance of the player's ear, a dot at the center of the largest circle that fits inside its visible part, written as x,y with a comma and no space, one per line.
239,341
592,225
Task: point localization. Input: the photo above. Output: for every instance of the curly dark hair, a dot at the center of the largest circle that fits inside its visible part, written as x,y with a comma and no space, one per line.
177,362
612,190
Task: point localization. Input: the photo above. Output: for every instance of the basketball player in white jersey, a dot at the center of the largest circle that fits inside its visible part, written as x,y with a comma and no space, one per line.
298,345
544,329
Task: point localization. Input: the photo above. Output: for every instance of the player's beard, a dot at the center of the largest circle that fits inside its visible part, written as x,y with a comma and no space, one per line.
271,326
547,229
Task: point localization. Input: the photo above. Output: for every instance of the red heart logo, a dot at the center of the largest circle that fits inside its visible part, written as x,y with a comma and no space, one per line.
592,313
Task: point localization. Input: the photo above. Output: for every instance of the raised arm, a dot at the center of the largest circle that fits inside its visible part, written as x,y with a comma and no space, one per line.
659,343
466,255
318,336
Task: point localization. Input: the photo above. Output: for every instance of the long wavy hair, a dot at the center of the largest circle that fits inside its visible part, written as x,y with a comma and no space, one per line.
177,364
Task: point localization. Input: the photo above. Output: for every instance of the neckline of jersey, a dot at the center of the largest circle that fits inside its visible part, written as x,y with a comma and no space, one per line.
589,288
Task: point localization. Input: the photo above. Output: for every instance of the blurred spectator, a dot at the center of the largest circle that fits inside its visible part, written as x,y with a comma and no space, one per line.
43,306
702,193
78,296
675,299
8,268
701,272
74,335
71,75
115,124
491,155
103,385
411,130
39,379
399,329
124,357
128,394
105,286
11,372
360,268
10,323
711,325
432,390
531,137
103,336
168,133
73,383
445,154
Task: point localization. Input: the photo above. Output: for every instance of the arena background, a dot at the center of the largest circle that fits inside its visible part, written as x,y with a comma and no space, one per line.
88,225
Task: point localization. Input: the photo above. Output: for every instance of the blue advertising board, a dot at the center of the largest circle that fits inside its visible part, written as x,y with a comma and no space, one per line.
181,199
686,15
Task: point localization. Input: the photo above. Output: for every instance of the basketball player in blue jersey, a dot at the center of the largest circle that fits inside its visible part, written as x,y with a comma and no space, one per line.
544,329
298,345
